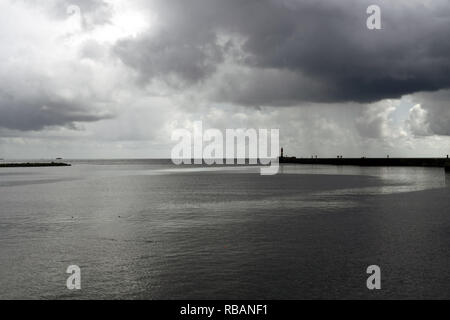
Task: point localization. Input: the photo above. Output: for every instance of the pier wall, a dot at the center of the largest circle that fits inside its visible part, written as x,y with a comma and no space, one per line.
388,162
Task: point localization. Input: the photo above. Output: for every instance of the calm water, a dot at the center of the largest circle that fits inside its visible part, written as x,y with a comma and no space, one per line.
150,230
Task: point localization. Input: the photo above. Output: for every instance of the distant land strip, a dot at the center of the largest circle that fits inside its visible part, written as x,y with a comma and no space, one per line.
34,165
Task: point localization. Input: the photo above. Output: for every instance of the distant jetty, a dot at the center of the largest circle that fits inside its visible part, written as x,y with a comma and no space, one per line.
372,162
34,165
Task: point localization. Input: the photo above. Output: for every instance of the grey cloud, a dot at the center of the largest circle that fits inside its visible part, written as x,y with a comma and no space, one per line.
171,54
325,42
93,12
432,114
28,113
43,84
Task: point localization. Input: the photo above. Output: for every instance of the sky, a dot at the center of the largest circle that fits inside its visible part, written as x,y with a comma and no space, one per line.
115,78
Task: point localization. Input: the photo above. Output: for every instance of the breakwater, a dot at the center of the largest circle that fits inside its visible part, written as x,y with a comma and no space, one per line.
34,164
387,162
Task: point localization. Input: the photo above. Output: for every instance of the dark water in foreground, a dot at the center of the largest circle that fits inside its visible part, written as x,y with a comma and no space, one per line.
148,230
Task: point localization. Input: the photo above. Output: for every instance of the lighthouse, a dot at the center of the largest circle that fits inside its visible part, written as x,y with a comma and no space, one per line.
282,153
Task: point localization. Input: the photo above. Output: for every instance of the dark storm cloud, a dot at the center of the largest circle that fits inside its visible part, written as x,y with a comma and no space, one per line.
294,51
174,53
36,113
185,46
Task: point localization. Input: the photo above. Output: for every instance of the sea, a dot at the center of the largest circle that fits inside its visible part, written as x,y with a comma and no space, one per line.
148,229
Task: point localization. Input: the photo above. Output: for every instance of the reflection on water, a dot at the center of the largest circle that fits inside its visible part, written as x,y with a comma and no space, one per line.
152,230
396,179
